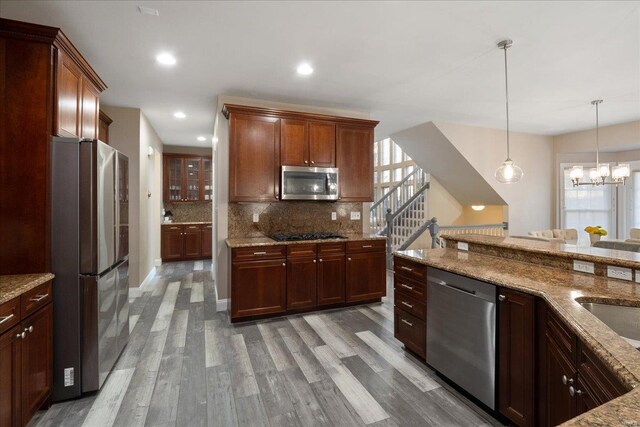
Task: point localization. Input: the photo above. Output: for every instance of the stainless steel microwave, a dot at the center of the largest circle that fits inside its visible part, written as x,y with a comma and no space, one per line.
304,183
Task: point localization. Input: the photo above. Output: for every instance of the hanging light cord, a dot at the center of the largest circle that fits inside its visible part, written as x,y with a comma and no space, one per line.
506,87
597,138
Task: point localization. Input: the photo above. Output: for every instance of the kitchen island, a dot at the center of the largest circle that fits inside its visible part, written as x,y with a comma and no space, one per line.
523,266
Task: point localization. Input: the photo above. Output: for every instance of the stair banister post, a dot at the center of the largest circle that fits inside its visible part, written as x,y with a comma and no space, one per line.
434,228
389,219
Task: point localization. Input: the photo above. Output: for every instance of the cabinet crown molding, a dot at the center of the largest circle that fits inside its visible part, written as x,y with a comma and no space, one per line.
228,109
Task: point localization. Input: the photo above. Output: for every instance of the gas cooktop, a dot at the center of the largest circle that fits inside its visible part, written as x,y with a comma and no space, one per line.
287,237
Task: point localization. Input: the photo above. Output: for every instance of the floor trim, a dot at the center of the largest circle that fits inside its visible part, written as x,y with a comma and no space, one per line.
144,286
221,304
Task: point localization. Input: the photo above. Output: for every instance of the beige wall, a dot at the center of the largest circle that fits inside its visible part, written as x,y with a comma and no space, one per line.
531,200
221,175
489,215
132,134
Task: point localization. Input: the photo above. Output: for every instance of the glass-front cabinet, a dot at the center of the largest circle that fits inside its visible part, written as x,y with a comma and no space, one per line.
187,178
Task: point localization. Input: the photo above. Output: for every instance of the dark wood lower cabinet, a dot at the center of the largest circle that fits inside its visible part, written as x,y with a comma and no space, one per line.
411,331
258,288
301,283
192,241
331,279
366,276
172,243
10,373
516,356
207,241
185,242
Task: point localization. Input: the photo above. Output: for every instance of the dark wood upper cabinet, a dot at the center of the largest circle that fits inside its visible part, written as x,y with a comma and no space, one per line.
90,111
42,80
254,158
354,159
516,356
104,121
186,178
294,142
322,144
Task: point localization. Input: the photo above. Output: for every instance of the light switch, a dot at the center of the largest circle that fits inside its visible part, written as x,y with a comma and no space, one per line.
334,216
256,217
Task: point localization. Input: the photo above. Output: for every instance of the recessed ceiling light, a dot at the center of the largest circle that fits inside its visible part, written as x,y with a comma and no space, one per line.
179,115
202,139
477,207
165,58
305,69
148,11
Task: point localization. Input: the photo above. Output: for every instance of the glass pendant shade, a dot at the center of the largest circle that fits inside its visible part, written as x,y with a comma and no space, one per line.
623,170
577,172
603,170
508,172
593,174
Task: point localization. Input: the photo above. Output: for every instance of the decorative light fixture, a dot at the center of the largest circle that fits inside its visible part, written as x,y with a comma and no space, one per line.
599,174
477,207
508,172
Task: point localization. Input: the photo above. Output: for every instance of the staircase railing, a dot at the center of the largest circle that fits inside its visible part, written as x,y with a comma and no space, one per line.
436,231
396,198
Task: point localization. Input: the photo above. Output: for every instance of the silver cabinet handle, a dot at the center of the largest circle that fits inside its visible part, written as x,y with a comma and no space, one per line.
38,298
314,260
406,286
407,322
21,336
348,259
284,264
367,246
502,298
5,318
260,253
29,329
573,392
312,162
566,380
407,304
306,162
406,268
320,260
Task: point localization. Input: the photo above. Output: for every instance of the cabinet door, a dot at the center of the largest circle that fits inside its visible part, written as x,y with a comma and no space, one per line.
301,283
322,144
294,146
331,279
207,169
10,370
366,276
192,241
258,288
254,158
69,92
90,110
585,399
354,159
207,241
516,326
558,404
172,242
104,122
411,331
192,170
37,361
173,168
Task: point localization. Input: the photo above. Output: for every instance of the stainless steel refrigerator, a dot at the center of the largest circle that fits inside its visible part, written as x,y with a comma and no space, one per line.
90,260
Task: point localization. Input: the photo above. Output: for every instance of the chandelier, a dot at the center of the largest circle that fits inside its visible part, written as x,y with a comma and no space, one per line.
598,175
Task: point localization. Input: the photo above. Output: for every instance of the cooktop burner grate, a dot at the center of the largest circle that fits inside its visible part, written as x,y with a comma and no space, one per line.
286,237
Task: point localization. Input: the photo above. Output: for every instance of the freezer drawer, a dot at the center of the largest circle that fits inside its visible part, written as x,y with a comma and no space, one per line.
123,306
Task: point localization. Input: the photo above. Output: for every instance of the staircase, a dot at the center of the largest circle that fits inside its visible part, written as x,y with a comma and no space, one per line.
401,214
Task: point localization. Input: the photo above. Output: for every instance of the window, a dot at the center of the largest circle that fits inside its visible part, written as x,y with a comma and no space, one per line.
391,166
587,205
385,153
397,175
397,153
386,176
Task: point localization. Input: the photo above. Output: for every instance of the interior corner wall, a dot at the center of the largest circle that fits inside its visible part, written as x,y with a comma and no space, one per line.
531,200
124,136
221,170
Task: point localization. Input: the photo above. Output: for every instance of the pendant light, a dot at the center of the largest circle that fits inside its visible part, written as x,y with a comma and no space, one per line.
508,172
599,174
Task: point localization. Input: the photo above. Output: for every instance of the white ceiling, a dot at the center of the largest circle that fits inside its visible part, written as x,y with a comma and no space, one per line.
404,62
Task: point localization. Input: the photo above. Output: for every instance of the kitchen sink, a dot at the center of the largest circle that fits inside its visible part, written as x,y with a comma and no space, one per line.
624,320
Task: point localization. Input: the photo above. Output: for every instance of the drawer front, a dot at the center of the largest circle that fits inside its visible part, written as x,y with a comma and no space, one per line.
258,252
410,287
196,227
36,298
172,227
566,340
337,248
302,250
603,384
9,314
409,269
410,331
366,246
409,304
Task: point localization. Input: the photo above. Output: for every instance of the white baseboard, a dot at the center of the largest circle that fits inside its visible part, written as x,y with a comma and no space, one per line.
144,286
158,262
221,304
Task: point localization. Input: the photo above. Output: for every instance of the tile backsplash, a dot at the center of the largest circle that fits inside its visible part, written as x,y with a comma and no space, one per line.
189,212
292,217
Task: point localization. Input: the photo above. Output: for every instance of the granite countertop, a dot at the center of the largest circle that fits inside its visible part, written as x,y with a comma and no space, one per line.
16,285
582,252
187,223
562,290
243,242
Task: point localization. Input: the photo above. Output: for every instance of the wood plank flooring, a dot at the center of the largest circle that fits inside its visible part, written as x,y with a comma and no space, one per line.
185,365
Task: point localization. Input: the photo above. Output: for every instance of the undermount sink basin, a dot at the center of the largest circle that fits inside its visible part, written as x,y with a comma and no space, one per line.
624,320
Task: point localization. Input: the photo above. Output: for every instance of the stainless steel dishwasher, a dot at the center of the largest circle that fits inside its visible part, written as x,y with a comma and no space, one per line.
461,332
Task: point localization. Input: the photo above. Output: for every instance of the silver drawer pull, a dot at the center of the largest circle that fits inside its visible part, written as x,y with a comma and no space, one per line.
193,227
407,304
38,298
408,323
406,286
5,318
406,268
367,246
260,253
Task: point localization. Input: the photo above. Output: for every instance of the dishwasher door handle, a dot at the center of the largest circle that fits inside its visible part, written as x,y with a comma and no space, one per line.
448,285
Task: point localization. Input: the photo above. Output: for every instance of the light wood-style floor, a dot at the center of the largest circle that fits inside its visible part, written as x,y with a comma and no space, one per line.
186,366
